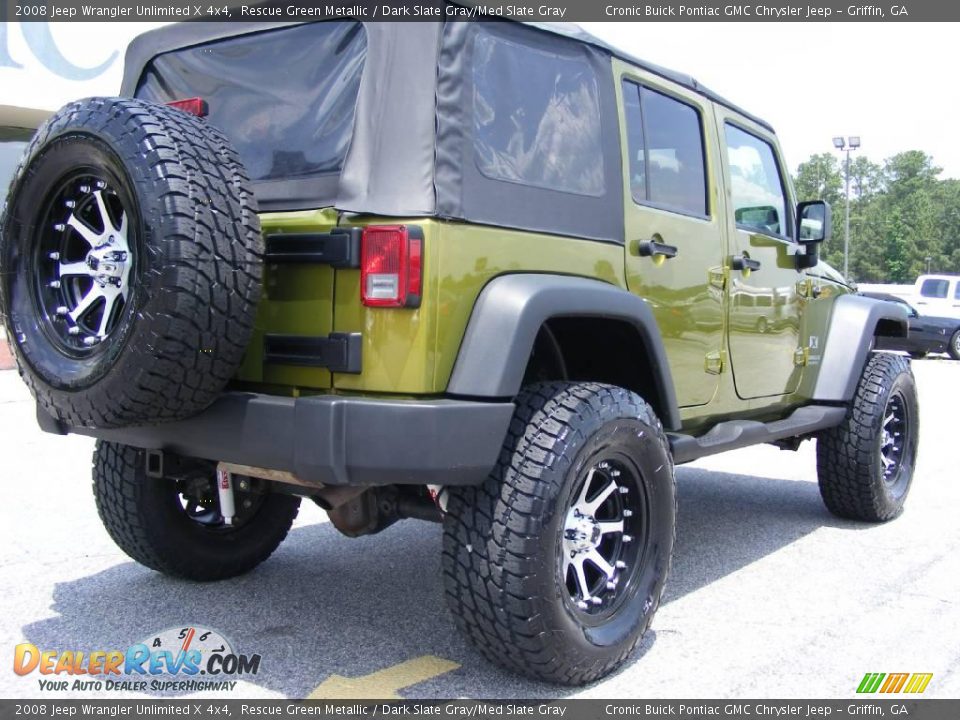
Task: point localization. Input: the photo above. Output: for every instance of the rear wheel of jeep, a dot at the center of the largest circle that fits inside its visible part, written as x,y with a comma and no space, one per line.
554,567
865,465
173,524
131,255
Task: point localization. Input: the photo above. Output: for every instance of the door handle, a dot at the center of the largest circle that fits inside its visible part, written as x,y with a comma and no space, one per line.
652,248
742,262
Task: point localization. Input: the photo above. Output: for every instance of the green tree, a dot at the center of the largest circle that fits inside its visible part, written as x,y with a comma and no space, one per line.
901,213
819,178
912,232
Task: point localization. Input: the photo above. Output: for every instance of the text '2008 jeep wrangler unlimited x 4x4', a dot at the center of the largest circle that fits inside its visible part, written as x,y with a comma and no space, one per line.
496,275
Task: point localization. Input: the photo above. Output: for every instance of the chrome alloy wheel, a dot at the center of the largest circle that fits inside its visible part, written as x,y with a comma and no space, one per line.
600,548
893,437
82,274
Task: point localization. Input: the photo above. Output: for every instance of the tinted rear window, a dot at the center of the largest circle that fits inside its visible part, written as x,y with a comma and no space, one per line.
286,98
536,117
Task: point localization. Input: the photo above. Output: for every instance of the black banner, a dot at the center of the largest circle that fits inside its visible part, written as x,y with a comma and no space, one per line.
904,707
439,10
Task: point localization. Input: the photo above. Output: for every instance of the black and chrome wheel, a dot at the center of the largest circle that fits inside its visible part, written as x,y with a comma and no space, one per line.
865,465
130,248
84,256
175,525
555,566
894,439
603,537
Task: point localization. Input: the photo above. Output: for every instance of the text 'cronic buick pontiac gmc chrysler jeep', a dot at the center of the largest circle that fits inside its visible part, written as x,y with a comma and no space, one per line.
494,275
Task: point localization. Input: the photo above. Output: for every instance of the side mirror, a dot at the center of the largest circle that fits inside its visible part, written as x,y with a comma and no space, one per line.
814,224
813,221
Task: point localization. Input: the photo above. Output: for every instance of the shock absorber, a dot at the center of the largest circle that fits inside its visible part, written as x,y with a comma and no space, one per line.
225,491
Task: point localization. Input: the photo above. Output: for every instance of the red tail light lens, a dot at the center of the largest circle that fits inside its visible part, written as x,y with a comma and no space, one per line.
391,266
194,106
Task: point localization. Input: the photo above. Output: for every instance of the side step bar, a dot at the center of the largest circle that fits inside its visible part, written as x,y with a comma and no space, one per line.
735,434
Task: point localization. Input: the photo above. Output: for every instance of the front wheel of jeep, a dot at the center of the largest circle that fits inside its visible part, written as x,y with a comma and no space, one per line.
865,465
554,567
174,525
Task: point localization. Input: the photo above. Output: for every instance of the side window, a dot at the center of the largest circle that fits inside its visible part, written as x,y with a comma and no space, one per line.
956,291
759,200
665,147
637,160
934,288
536,117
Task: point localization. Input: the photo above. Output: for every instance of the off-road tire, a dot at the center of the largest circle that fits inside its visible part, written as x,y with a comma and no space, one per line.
954,348
501,567
195,263
849,465
144,517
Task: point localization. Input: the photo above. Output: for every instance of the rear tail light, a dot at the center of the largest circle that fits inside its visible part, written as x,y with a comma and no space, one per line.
194,106
391,266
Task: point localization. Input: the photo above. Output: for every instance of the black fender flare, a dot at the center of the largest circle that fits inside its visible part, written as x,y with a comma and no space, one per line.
509,313
854,323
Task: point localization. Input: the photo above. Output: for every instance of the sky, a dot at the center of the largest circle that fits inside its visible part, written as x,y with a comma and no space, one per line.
891,84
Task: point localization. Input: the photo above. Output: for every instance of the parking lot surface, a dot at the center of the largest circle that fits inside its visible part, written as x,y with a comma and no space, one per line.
769,595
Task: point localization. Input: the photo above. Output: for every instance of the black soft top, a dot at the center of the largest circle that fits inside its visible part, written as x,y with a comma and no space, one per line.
435,127
175,36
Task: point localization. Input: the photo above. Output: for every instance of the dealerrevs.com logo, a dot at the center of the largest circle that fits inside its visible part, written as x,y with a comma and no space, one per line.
184,659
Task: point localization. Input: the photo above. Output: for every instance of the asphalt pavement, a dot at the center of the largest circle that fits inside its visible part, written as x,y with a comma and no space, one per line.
769,596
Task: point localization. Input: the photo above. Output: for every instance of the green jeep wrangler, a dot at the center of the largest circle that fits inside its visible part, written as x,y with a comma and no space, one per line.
494,275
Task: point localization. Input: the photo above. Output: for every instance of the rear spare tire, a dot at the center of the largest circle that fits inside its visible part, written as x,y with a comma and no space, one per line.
130,263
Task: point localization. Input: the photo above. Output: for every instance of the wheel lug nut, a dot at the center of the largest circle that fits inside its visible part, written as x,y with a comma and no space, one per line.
59,227
89,340
62,310
627,513
627,538
74,331
70,203
54,256
615,473
623,490
596,600
611,585
620,565
100,184
582,605
55,284
84,188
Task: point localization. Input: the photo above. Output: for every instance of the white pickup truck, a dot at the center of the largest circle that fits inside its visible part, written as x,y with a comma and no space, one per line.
934,295
938,295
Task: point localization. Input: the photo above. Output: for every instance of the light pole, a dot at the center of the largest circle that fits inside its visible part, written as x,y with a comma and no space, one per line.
850,144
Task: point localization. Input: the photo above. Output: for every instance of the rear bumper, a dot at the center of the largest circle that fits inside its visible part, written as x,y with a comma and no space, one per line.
333,440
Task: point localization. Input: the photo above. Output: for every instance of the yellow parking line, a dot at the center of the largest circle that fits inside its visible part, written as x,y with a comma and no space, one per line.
383,684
